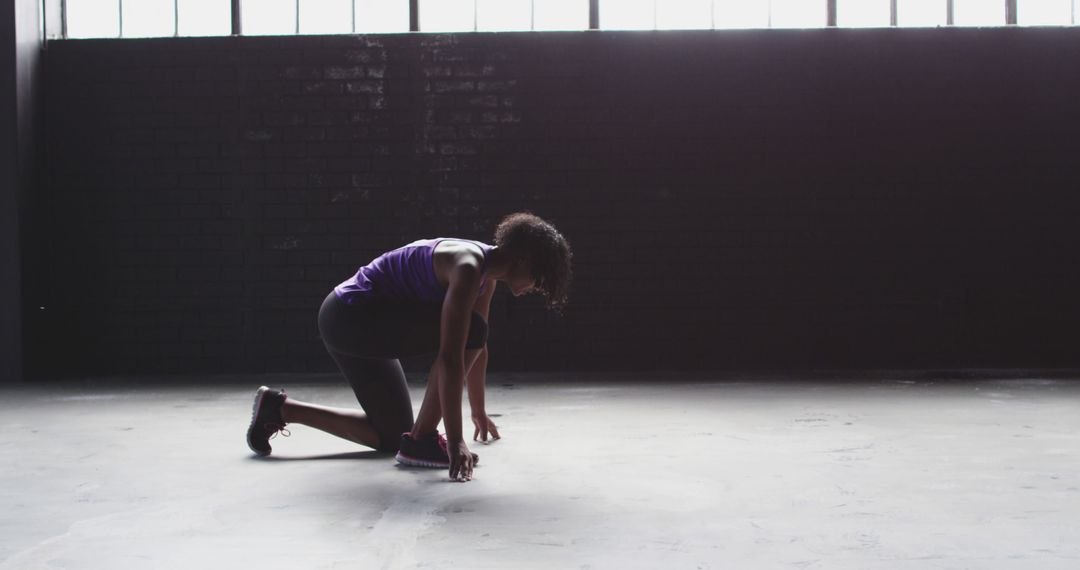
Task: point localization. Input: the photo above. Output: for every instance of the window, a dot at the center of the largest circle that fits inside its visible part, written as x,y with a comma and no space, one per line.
708,14
93,18
503,15
863,13
921,13
798,14
1045,12
148,18
382,16
326,17
560,14
741,14
268,17
684,14
979,13
203,17
627,14
448,15
155,18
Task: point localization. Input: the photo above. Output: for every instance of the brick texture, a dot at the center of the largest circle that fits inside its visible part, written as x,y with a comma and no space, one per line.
742,200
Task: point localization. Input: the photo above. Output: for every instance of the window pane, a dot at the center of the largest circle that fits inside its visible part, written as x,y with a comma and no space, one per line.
447,15
921,13
325,16
683,14
1043,12
979,12
741,14
799,14
504,15
382,16
93,18
149,18
862,13
268,17
627,14
205,18
561,15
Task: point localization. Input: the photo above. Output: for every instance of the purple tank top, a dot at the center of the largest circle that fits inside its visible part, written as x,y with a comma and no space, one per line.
404,274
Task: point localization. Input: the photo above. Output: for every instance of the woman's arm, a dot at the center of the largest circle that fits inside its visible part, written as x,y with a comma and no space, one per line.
474,380
449,365
475,377
482,423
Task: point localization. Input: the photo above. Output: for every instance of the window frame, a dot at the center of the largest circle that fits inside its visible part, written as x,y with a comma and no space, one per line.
594,23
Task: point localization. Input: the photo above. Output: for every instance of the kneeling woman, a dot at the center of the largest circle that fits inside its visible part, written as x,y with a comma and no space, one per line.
430,296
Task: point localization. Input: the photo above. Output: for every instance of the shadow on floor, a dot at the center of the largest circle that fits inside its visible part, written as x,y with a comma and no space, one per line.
347,455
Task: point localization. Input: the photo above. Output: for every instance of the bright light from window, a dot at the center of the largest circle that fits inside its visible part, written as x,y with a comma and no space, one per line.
503,15
93,18
683,14
268,17
149,19
1044,12
325,16
979,13
732,14
799,14
561,14
862,13
158,18
627,14
204,18
921,13
382,16
447,15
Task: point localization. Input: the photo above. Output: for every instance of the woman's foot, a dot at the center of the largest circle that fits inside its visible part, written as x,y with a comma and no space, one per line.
426,452
266,419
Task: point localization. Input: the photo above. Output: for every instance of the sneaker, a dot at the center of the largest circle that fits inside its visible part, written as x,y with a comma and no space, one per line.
429,452
266,419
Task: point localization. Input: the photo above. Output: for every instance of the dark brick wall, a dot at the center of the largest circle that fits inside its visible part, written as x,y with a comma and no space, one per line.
737,200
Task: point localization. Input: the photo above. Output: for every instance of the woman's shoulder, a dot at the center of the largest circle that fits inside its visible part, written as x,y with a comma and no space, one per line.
455,246
463,240
454,252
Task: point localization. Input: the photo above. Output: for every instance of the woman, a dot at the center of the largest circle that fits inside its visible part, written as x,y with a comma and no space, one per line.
430,296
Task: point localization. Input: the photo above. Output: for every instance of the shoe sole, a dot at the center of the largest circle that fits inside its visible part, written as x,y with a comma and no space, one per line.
259,395
414,462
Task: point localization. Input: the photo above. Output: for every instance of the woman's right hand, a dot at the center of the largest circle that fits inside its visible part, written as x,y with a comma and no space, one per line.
461,461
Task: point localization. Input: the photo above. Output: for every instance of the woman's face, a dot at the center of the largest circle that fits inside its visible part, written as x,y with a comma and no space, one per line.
520,279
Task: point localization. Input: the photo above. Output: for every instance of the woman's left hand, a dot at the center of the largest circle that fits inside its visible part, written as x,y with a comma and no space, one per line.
484,426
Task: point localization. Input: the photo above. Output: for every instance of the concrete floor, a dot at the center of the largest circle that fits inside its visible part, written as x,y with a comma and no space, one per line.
592,472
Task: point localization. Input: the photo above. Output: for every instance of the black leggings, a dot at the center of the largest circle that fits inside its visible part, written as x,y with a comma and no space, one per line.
367,338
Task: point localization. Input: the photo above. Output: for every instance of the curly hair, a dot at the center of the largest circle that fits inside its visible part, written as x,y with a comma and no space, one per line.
527,236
